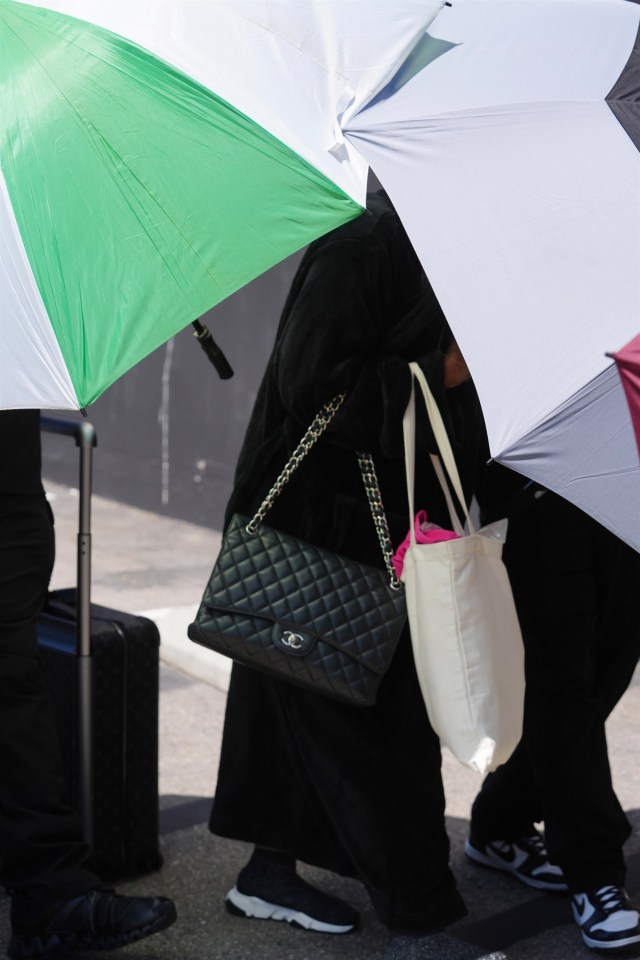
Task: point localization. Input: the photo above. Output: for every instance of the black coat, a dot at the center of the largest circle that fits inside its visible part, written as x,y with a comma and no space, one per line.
354,790
359,308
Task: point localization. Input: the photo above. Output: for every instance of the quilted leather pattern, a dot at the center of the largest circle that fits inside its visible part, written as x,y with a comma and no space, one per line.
342,617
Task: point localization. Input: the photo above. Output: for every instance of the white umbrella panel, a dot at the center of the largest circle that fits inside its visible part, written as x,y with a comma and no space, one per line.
509,146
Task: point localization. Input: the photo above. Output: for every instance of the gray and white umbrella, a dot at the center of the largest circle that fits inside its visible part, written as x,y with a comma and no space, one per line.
509,144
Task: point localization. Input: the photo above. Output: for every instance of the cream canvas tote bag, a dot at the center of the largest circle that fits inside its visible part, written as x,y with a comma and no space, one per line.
465,633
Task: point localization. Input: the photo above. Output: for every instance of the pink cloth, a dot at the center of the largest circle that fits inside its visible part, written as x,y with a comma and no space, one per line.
628,360
425,533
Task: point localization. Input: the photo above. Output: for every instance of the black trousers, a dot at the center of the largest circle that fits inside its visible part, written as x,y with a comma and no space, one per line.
41,850
576,588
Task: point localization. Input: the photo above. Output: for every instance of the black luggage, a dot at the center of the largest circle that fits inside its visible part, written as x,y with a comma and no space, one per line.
102,670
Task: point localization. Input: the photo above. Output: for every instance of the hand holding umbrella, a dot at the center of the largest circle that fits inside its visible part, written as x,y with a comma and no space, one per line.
456,370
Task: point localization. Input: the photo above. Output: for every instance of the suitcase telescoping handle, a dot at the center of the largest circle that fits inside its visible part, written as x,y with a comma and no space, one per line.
85,436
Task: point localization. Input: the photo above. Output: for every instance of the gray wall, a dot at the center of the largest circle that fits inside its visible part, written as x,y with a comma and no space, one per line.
170,430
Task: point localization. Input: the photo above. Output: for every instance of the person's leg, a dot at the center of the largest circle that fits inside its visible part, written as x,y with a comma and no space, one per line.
574,584
601,907
269,888
574,671
40,837
263,797
45,865
507,805
353,790
503,834
379,774
358,790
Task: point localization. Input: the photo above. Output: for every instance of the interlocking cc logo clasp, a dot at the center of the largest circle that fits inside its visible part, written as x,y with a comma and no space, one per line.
293,640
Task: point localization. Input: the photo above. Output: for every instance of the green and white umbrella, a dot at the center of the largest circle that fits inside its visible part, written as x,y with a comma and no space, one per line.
156,156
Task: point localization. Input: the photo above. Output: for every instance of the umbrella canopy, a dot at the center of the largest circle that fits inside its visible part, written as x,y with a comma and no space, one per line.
158,156
509,146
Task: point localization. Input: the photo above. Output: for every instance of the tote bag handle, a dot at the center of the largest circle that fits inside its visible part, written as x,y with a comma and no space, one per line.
446,453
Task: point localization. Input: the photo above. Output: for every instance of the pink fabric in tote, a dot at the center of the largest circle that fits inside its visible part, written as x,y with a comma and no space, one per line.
425,533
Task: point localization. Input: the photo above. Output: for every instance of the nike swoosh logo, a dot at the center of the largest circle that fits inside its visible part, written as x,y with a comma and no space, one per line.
580,905
509,855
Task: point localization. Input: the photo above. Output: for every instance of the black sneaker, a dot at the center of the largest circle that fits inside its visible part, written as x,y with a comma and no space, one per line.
606,918
97,920
268,888
526,859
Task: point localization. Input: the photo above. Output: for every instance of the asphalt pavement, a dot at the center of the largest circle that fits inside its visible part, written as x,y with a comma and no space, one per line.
145,563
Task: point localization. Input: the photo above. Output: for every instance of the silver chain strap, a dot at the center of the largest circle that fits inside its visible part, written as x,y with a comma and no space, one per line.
367,469
374,497
315,431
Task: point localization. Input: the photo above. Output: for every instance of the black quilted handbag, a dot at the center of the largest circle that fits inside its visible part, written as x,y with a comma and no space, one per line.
301,612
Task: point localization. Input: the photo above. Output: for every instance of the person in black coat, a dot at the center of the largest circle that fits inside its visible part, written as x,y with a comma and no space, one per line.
354,790
45,866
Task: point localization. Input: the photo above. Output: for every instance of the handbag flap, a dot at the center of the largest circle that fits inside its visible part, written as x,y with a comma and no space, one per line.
276,577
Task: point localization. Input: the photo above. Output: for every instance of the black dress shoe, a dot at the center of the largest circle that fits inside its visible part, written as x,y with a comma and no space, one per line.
97,920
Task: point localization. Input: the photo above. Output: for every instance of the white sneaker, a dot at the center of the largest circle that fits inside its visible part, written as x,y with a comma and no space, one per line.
527,859
606,918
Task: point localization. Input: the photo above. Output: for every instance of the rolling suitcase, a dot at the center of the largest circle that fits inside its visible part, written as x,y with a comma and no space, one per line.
102,670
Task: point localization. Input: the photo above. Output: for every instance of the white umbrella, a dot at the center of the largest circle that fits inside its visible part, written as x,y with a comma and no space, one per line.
156,156
509,146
